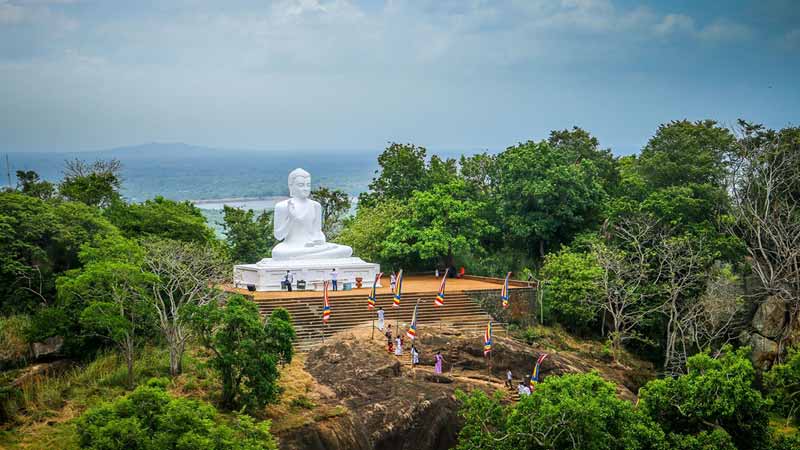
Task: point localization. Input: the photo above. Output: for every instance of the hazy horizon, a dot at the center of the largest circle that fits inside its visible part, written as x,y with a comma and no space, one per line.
85,75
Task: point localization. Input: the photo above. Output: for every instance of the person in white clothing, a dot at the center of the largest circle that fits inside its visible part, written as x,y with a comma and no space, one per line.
393,281
288,280
334,278
398,345
414,356
509,378
523,390
380,318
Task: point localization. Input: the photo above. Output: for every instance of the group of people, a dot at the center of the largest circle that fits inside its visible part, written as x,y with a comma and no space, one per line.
394,344
288,280
523,388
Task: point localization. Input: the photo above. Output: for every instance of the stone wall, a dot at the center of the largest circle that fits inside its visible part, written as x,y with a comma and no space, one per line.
523,306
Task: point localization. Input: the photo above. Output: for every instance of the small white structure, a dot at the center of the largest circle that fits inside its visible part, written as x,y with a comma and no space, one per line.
304,250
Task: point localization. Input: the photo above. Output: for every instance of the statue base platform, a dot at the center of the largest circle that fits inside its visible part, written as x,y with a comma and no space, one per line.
267,274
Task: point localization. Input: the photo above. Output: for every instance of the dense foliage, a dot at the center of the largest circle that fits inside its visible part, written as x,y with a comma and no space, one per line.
149,418
242,353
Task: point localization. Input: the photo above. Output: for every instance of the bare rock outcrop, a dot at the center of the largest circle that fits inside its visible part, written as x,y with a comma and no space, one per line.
391,406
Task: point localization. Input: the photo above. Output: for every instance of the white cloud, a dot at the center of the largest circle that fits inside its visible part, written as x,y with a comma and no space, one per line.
674,23
723,30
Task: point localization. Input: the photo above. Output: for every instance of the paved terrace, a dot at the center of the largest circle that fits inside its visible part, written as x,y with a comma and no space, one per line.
411,284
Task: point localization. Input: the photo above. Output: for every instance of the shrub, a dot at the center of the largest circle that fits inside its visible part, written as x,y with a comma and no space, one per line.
783,385
148,418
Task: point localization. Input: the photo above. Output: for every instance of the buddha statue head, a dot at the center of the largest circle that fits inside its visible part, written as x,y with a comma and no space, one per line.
299,184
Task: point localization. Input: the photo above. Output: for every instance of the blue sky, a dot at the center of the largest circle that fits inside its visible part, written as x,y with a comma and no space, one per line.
347,74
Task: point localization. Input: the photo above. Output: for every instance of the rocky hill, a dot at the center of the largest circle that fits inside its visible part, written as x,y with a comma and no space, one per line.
387,405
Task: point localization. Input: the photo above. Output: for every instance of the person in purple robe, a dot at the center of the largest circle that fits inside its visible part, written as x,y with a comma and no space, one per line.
439,360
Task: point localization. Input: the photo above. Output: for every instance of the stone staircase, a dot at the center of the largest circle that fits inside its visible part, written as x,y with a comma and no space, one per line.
351,311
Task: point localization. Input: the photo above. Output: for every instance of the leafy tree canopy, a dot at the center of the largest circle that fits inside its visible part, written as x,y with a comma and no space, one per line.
149,418
715,394
573,278
249,238
335,204
94,184
242,353
546,196
180,221
441,221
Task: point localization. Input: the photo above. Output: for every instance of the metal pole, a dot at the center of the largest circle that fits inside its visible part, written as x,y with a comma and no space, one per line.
373,329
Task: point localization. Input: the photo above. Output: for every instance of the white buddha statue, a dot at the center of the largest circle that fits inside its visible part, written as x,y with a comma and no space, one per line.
298,223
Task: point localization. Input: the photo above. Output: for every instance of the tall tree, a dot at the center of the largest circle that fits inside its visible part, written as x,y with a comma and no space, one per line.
402,171
187,275
113,288
442,222
95,184
242,354
545,196
249,238
583,145
765,187
335,204
29,183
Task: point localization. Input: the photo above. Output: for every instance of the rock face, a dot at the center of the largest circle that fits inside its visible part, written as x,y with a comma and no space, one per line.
394,407
770,318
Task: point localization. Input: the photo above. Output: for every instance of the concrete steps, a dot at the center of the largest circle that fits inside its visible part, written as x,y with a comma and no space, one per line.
351,311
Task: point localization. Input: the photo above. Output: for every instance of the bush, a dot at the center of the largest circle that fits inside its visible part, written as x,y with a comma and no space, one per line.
13,342
571,280
280,335
783,386
148,418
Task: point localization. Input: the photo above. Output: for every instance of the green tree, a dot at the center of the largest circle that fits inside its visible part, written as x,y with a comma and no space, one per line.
573,279
280,335
441,222
546,196
249,238
683,152
111,288
715,394
335,204
782,384
366,231
160,217
149,418
29,183
578,411
480,172
186,275
242,353
41,240
95,184
402,171
582,145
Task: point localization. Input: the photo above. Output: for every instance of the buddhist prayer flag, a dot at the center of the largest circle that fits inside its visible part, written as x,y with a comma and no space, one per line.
412,330
535,374
487,339
326,307
504,292
398,292
371,298
439,301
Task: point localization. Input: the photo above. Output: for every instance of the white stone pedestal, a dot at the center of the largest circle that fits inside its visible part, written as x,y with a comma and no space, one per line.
267,274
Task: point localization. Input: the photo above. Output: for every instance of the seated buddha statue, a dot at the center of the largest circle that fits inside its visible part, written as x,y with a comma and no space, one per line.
298,223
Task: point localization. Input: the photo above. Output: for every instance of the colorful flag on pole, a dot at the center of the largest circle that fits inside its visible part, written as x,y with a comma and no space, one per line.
535,374
504,292
398,292
371,298
487,339
326,307
412,330
439,301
